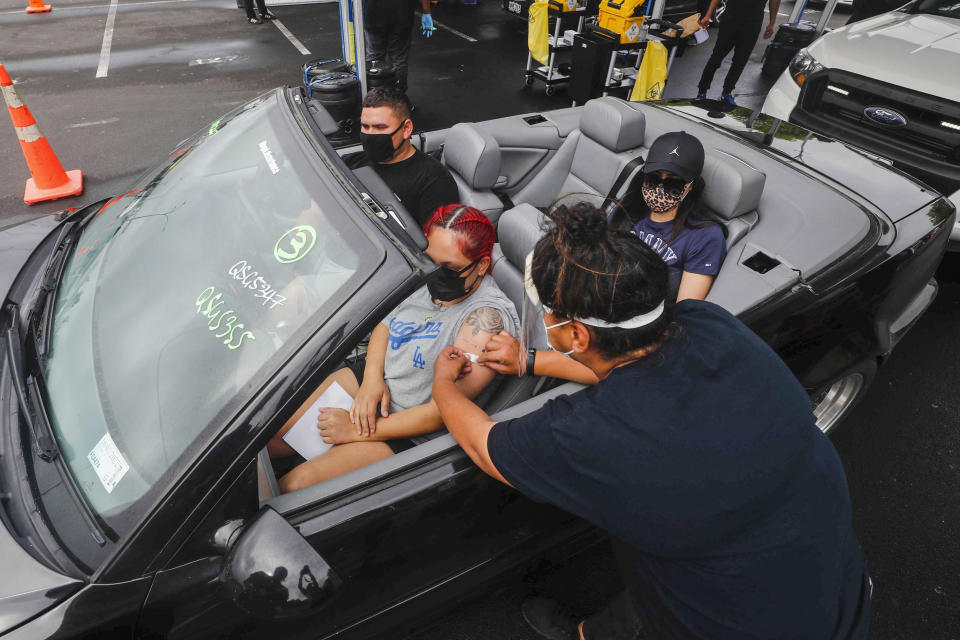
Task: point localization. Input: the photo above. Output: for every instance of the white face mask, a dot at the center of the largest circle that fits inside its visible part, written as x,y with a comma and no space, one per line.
546,331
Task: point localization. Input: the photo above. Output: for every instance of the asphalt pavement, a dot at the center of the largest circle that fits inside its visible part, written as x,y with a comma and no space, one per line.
115,106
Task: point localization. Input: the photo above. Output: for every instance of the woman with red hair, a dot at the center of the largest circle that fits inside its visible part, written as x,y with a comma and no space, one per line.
392,404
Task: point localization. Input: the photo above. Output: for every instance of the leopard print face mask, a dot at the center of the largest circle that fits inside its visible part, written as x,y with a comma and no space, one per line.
662,198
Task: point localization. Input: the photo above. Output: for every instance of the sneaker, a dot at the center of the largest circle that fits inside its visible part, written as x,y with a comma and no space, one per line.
701,96
267,16
728,98
550,619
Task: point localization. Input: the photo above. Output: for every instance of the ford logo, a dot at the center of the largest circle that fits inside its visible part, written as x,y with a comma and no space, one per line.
885,116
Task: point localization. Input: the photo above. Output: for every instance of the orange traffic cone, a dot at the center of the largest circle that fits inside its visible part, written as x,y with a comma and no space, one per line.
49,180
37,6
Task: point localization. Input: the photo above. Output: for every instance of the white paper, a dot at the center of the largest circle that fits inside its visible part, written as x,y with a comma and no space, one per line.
701,36
108,462
304,436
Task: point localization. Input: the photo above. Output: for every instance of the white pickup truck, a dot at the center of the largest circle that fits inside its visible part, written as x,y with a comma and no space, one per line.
889,85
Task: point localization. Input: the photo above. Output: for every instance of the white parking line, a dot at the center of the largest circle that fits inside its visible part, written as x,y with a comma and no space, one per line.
454,32
292,38
107,40
94,123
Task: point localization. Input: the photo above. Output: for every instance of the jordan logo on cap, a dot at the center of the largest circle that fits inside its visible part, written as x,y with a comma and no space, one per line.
674,152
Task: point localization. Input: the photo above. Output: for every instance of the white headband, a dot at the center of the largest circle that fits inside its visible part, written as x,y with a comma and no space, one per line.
635,322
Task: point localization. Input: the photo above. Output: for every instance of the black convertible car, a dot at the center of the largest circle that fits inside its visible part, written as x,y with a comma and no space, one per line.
152,343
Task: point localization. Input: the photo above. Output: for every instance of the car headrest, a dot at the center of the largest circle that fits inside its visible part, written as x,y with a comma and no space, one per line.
518,231
733,187
473,154
613,123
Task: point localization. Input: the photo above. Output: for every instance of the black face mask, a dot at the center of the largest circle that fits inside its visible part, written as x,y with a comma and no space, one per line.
447,284
379,146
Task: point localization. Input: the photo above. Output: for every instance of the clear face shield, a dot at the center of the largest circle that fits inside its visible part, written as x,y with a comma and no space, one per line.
532,334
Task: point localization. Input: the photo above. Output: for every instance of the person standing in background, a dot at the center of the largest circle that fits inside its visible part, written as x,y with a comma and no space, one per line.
739,27
254,18
388,25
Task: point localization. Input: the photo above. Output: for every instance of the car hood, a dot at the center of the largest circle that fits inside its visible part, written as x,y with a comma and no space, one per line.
30,588
17,242
855,169
914,51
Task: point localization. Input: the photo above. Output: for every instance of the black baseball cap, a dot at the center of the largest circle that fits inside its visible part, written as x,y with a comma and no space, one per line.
677,152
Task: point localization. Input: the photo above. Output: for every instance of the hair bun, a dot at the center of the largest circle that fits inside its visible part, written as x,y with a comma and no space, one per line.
580,224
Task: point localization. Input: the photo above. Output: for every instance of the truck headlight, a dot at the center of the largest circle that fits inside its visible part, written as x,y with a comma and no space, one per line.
802,65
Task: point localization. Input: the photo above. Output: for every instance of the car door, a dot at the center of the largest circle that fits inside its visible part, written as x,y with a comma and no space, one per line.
403,537
431,532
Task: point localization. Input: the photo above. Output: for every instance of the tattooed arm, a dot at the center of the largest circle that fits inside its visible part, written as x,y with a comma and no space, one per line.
481,325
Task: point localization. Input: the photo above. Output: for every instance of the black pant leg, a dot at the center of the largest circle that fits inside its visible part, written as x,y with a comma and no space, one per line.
262,7
398,46
248,7
376,41
745,40
726,40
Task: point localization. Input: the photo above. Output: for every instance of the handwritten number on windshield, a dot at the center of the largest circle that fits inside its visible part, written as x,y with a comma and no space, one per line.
295,244
254,281
210,305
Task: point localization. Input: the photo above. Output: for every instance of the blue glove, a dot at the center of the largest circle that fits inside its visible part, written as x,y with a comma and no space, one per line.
426,22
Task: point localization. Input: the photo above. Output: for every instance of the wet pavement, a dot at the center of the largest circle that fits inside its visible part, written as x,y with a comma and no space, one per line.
176,65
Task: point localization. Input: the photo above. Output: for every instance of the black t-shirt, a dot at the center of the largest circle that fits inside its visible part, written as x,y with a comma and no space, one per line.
729,507
420,182
747,11
378,14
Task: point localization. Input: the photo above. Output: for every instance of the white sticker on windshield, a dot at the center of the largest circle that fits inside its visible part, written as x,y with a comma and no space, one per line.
268,156
108,462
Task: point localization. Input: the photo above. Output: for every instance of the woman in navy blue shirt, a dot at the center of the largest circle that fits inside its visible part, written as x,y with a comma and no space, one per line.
697,451
667,201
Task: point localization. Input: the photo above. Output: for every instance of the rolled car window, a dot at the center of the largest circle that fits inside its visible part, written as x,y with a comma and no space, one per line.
180,290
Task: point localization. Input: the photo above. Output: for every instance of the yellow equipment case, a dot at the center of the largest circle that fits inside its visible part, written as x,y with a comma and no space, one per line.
621,20
565,5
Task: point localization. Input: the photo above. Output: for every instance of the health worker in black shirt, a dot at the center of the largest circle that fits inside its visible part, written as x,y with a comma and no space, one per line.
740,25
697,451
420,182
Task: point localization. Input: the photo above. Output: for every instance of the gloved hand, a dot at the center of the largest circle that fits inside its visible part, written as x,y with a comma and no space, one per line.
426,22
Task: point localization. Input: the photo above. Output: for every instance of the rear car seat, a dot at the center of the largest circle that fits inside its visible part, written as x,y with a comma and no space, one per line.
588,162
732,192
473,157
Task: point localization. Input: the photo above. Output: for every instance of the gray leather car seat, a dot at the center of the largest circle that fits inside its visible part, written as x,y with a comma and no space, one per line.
473,158
732,192
518,233
611,134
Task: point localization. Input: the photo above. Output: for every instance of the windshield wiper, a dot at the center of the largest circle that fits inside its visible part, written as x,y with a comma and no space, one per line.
45,446
33,411
42,309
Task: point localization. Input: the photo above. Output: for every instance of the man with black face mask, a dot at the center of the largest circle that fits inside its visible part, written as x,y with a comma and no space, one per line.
420,182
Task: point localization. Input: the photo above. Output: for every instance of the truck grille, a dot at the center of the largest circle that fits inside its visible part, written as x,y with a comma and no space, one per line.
842,98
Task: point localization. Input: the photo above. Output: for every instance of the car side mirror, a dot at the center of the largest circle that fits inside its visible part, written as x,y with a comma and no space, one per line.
273,573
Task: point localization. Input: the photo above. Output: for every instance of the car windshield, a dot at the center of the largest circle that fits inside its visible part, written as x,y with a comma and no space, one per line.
946,8
180,291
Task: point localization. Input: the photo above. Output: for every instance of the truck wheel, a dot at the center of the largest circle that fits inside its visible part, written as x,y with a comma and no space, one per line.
834,401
